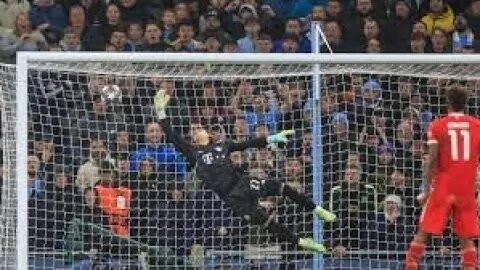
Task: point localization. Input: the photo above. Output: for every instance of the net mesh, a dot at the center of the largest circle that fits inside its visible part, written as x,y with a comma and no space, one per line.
82,115
8,189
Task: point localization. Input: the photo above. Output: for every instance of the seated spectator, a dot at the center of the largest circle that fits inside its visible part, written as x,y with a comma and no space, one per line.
439,15
354,21
334,10
230,46
213,27
293,9
212,45
391,229
371,30
47,15
117,40
290,44
247,43
133,10
262,112
23,38
352,201
167,160
374,46
152,40
88,173
121,143
113,18
473,17
333,34
242,98
64,200
71,40
168,22
418,43
185,39
183,12
398,184
36,184
240,132
462,38
134,37
269,21
77,20
9,10
263,43
293,30
439,41
402,16
122,163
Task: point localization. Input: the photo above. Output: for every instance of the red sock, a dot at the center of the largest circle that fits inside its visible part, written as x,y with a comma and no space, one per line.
414,255
469,258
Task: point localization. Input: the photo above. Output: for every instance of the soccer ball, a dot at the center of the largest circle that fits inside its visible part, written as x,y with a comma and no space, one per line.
111,93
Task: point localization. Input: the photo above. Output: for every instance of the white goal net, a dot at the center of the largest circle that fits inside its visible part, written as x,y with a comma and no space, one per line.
106,190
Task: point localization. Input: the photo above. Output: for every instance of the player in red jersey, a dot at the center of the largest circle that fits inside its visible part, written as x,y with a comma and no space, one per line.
450,167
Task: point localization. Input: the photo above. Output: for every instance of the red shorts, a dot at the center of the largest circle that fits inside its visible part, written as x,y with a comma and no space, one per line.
463,210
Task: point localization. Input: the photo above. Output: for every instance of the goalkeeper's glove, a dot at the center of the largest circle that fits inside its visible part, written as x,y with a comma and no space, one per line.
280,137
160,103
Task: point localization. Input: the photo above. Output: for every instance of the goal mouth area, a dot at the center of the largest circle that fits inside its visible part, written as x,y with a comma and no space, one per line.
331,86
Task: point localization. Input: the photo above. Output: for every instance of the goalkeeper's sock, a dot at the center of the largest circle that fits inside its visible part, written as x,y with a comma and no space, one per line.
325,215
469,258
414,255
310,244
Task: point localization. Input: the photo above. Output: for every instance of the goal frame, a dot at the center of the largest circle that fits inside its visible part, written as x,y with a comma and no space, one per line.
315,59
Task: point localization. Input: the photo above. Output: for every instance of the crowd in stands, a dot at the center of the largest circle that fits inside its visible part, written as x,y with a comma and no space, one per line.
106,162
239,26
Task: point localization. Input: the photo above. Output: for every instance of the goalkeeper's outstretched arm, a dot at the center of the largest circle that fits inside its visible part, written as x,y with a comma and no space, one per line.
161,102
280,137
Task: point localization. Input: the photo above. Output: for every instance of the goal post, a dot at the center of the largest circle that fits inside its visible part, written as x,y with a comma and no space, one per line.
333,74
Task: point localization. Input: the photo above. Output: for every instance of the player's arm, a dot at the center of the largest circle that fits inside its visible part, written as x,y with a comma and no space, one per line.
161,102
280,137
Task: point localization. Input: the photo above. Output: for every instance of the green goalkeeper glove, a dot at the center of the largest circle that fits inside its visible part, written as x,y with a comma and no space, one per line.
280,137
160,103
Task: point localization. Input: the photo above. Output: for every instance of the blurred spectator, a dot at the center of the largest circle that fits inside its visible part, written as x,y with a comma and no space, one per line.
263,43
9,10
152,40
117,40
77,20
292,8
262,113
113,18
333,34
440,15
371,30
23,38
473,17
167,160
439,41
134,37
123,166
36,184
240,131
213,28
134,10
352,201
334,10
293,31
354,21
88,174
185,39
390,230
374,46
418,43
63,200
168,22
46,15
462,38
403,187
247,43
402,16
71,40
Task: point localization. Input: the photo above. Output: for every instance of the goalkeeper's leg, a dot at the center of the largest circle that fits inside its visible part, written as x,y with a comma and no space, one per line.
281,232
276,188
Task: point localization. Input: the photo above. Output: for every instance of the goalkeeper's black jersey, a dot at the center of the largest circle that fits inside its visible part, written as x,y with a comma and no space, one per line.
213,165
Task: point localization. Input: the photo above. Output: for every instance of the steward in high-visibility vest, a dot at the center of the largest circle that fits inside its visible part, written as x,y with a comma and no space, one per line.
114,201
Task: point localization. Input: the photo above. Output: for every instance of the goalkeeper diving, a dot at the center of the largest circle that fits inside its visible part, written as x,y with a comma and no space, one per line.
239,191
